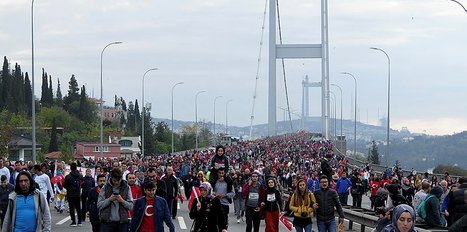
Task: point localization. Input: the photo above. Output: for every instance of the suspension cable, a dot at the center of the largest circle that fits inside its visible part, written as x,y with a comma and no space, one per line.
283,67
257,68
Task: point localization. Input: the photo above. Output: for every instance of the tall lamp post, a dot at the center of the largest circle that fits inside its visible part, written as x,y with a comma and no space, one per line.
33,97
102,104
179,83
389,100
333,97
226,113
340,90
355,114
460,4
214,129
144,112
196,116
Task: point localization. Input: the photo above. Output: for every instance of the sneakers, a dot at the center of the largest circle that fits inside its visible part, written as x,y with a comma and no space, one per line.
238,221
73,224
79,224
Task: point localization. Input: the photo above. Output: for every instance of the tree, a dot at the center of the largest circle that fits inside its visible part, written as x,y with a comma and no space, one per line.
6,132
58,99
86,112
28,94
137,116
130,123
373,155
5,83
45,89
73,95
149,141
50,94
53,145
17,91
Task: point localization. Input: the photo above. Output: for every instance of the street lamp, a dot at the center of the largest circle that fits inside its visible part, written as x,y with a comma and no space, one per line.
355,114
33,98
102,104
226,106
196,116
214,130
389,100
340,89
144,113
334,114
179,83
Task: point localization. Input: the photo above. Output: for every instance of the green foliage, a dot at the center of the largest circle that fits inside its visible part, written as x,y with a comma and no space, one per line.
373,154
452,170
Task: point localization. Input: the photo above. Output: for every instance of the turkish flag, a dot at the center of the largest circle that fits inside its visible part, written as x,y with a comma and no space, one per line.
57,178
194,194
286,222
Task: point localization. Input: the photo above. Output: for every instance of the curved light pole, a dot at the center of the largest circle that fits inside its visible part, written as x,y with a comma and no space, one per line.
389,100
179,83
214,130
460,5
340,89
144,112
33,98
102,103
355,114
196,116
226,107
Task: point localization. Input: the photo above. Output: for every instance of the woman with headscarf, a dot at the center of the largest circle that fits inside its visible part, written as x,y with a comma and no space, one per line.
403,220
207,212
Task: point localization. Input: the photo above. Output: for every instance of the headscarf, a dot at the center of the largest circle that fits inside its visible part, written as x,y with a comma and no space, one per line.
207,186
397,212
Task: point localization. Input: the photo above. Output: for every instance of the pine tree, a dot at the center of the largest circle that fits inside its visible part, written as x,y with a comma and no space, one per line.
50,94
44,88
53,145
85,109
17,91
137,117
149,146
28,95
5,83
374,154
59,99
73,96
130,125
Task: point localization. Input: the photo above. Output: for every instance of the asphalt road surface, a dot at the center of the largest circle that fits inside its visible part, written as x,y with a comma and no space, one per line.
61,222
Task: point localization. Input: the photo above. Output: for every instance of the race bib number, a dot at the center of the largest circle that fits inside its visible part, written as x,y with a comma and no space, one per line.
253,196
271,197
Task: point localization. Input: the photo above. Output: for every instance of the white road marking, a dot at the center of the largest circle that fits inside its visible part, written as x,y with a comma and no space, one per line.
178,205
63,220
181,222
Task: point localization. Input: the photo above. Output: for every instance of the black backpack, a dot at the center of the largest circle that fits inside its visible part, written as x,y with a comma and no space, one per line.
75,184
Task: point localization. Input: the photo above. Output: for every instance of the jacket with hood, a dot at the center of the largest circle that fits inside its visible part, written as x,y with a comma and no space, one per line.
433,212
68,184
43,219
398,210
111,211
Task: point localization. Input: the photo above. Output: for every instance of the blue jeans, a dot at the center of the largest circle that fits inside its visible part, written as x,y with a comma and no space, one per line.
327,226
306,229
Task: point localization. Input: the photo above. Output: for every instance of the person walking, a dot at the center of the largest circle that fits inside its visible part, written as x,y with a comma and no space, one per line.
114,203
343,186
73,188
207,212
28,209
301,204
223,189
87,185
171,184
254,193
150,212
239,202
272,206
92,210
5,189
327,202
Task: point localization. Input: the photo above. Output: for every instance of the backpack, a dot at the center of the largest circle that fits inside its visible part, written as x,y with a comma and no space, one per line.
75,184
421,209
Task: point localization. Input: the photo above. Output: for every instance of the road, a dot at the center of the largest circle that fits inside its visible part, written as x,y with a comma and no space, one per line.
61,222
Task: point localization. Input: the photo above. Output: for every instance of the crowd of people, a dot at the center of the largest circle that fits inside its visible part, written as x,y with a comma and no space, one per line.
294,177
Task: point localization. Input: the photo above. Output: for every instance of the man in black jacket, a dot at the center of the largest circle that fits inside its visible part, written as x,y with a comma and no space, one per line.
326,168
73,188
327,201
171,184
92,210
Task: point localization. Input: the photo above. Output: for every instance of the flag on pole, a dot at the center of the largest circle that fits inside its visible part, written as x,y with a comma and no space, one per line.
194,194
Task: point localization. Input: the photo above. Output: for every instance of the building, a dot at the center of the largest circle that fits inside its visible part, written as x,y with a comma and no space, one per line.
92,150
130,146
20,148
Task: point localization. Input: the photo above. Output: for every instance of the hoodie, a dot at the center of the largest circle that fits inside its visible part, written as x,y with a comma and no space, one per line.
433,213
398,210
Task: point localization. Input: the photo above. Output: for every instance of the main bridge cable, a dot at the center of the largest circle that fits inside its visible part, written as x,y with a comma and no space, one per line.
257,68
283,68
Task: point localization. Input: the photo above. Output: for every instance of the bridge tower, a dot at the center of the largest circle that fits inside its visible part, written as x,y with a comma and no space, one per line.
306,100
297,51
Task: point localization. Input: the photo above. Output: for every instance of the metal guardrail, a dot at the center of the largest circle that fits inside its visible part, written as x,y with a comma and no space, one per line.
366,218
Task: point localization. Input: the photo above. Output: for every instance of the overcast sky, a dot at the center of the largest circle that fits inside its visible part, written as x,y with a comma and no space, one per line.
213,45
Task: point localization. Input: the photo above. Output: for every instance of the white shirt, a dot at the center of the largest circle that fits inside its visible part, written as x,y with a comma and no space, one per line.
44,184
5,171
